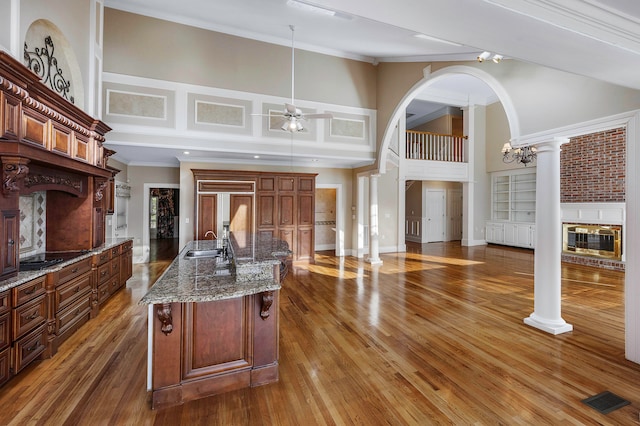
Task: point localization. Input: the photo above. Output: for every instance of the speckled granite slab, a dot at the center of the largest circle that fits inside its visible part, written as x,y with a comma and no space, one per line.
26,276
209,279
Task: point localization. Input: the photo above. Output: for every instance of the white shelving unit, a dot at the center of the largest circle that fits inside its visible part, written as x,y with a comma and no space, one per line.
513,208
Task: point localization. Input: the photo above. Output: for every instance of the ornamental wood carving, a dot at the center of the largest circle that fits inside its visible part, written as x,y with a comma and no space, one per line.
100,190
13,170
267,301
164,315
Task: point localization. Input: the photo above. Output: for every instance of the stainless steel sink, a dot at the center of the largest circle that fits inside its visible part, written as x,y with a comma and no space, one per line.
199,254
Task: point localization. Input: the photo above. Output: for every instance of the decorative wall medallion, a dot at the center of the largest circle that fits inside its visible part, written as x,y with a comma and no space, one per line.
45,65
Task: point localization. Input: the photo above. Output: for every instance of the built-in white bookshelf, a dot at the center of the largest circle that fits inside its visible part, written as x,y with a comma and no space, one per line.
513,208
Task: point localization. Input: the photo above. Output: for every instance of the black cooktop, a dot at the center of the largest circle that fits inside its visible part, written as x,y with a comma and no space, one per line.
47,260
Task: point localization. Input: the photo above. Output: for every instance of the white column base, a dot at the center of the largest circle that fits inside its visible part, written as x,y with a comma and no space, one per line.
374,261
552,327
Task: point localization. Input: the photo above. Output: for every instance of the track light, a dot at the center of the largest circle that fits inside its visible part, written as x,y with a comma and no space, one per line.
484,55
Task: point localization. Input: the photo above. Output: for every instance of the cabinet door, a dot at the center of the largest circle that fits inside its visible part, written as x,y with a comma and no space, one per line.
287,208
286,183
206,215
287,235
510,234
98,227
266,210
305,209
10,241
241,218
304,244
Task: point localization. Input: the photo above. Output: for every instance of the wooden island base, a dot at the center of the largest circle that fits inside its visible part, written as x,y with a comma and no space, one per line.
206,348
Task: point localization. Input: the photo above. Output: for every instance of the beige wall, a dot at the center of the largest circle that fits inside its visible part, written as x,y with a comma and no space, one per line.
5,25
497,134
148,47
442,125
122,175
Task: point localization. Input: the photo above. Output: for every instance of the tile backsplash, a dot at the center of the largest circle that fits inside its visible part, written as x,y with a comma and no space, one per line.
33,222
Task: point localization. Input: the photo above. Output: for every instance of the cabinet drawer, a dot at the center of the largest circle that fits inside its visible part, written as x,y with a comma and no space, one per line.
74,270
79,310
5,327
4,302
29,347
29,315
115,284
103,292
102,258
115,266
104,273
29,291
115,252
68,292
126,246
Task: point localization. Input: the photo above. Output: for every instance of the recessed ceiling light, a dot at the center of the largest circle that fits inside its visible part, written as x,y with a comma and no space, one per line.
256,156
186,152
430,38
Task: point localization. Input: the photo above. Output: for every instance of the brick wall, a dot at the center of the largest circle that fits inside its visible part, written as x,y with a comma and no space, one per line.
592,168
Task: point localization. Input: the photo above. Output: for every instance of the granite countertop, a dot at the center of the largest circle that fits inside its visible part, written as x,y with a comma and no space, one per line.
210,279
26,276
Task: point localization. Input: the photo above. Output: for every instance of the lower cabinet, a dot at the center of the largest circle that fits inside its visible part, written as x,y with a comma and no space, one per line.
511,234
39,315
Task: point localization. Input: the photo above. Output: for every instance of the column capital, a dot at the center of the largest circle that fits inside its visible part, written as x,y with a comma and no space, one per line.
551,144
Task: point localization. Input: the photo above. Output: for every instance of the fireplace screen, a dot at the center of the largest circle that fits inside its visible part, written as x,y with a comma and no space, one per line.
593,240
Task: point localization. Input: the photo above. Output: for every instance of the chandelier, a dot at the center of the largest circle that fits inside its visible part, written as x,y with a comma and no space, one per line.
524,155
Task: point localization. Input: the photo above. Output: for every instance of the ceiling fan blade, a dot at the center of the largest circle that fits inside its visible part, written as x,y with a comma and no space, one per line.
313,116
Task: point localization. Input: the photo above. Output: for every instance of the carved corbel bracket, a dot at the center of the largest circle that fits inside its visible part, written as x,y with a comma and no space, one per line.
267,301
164,315
100,190
13,170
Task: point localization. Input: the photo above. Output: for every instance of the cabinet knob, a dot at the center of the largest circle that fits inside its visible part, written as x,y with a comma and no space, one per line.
11,242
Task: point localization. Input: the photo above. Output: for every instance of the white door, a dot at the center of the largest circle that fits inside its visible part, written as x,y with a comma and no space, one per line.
435,215
454,213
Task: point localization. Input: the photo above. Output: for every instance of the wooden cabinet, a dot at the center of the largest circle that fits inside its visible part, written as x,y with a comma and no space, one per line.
28,318
10,235
126,262
196,360
284,206
73,286
288,212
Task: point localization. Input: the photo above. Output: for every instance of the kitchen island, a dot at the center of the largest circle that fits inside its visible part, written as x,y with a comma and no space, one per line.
213,320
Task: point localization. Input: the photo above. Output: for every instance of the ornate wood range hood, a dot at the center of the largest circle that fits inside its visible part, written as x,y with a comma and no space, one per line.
49,144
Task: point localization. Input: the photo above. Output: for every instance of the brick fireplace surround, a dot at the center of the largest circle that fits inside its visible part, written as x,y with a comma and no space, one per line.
592,173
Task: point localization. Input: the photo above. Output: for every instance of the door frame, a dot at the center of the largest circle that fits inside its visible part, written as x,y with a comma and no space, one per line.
340,213
145,217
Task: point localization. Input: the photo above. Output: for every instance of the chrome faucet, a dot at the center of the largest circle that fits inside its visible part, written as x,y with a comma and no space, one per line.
212,233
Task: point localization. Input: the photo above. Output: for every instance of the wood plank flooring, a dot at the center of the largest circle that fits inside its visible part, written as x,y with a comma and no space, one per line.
432,336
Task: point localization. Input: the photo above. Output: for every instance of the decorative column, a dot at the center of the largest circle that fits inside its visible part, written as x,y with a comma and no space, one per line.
547,271
374,251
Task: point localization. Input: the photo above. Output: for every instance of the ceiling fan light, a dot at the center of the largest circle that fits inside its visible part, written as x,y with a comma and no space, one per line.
497,58
299,126
483,56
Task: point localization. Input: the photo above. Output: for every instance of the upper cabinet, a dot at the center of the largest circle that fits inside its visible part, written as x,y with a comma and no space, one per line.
49,144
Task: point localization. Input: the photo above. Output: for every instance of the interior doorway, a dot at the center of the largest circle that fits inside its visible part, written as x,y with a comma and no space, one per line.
329,227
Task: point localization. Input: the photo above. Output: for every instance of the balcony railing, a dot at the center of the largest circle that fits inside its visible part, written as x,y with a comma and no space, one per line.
435,147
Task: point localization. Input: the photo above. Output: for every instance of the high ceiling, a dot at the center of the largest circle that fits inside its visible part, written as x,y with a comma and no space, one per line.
595,38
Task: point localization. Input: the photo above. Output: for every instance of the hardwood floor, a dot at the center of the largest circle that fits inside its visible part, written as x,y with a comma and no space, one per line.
433,336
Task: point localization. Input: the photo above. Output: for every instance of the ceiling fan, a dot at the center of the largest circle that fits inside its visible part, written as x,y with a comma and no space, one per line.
292,117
